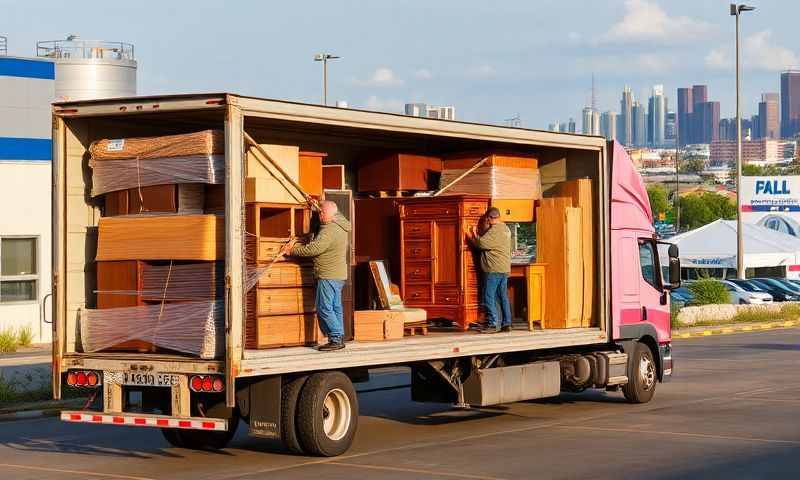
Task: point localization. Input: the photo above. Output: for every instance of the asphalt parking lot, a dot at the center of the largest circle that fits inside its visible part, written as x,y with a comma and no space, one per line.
729,412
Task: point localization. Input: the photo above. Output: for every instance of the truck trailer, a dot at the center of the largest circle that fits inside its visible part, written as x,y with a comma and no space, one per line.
306,397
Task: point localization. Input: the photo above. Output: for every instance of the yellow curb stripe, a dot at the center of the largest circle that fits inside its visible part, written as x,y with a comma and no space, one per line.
729,330
788,323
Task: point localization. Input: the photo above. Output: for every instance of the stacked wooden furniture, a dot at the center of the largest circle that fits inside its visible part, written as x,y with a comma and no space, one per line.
158,244
511,179
398,172
565,242
439,271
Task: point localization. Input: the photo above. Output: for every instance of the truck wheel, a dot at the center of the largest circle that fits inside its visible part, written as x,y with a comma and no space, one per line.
201,439
643,378
327,414
290,395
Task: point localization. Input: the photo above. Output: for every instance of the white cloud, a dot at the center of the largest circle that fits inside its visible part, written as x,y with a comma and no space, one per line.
381,77
759,52
483,70
384,105
423,74
645,21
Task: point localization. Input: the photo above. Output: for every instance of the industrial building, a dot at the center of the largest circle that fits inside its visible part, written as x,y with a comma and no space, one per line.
64,69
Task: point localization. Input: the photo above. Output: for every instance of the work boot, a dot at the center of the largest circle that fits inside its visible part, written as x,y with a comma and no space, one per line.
489,329
507,329
331,346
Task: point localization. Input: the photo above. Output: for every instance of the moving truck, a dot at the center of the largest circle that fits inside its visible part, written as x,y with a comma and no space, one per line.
306,397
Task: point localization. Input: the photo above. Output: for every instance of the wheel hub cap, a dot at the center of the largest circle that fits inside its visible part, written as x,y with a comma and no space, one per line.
647,373
336,413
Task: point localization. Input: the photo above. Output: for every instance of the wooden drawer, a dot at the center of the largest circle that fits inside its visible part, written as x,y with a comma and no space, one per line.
417,294
417,229
282,301
417,249
474,209
447,296
435,210
286,330
418,272
269,248
286,274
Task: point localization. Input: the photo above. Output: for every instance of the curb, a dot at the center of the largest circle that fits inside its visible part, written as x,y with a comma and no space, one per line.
29,414
727,330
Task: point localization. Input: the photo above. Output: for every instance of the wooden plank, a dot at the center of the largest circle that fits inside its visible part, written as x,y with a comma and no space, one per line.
580,191
573,267
551,240
174,237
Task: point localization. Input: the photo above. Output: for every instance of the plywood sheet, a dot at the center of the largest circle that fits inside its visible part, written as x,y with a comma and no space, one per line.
206,142
169,237
580,191
264,183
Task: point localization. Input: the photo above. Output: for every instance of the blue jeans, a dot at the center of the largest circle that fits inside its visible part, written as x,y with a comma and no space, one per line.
329,309
495,288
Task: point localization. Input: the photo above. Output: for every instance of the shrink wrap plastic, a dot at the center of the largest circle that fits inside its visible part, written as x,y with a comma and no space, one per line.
497,182
113,175
194,328
205,142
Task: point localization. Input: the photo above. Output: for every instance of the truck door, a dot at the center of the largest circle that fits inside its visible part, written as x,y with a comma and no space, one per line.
653,298
627,279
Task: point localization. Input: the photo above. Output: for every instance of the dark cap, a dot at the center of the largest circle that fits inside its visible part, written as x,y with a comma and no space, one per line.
493,212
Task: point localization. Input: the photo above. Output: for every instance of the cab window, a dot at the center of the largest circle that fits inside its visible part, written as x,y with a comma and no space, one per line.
647,262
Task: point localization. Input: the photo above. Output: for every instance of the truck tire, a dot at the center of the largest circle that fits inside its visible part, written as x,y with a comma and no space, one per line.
290,395
327,415
201,439
643,378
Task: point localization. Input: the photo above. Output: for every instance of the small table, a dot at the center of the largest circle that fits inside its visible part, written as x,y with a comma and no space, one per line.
533,276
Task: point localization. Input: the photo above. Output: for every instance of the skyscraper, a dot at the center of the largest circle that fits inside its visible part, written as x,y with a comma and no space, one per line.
790,103
726,129
755,132
586,124
657,116
608,125
625,133
639,129
706,122
595,122
571,126
769,120
669,126
699,94
683,120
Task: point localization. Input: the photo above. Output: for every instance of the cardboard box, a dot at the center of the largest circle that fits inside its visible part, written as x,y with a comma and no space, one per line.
261,184
377,325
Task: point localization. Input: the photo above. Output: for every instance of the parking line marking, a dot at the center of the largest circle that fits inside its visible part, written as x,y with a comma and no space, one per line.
76,472
683,434
413,470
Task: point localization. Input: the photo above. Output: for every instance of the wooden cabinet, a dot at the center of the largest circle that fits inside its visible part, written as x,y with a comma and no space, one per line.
439,271
311,172
399,171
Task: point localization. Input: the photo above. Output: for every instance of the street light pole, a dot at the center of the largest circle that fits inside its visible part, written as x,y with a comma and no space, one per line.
736,10
324,57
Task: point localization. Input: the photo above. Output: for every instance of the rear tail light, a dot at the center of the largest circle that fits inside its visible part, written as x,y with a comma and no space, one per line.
83,378
206,383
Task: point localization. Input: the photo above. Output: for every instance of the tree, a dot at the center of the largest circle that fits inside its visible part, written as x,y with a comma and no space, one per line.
703,208
692,164
658,199
750,170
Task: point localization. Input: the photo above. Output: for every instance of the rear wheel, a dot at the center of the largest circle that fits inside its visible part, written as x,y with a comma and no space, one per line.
290,395
643,378
327,415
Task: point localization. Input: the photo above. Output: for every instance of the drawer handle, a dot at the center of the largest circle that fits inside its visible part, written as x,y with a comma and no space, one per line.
416,251
417,272
446,212
416,229
415,294
448,299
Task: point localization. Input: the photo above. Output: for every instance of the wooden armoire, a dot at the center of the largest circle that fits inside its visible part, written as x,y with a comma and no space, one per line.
439,271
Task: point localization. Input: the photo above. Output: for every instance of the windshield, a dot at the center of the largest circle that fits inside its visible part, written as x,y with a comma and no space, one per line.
777,284
749,286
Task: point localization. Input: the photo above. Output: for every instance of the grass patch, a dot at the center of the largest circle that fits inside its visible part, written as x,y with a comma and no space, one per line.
790,311
25,337
14,392
8,341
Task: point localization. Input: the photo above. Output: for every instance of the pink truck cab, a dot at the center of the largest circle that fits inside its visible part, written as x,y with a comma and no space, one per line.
639,295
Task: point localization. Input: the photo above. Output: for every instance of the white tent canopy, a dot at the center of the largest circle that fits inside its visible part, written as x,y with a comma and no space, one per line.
714,246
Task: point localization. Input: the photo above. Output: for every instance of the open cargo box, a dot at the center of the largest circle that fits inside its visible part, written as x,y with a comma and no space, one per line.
341,133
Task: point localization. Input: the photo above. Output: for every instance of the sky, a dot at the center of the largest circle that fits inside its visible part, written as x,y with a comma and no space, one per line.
491,60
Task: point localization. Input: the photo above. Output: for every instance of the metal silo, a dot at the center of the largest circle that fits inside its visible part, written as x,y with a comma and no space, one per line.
87,69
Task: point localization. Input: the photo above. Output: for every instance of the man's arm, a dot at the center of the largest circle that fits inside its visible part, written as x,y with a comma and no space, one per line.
316,247
488,241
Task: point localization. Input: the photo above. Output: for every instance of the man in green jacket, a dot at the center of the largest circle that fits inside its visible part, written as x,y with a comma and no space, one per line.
329,251
495,248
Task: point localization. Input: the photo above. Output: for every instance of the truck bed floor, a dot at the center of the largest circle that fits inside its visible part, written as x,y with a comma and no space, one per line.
436,345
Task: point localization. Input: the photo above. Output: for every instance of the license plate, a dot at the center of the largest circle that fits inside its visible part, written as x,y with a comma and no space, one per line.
149,379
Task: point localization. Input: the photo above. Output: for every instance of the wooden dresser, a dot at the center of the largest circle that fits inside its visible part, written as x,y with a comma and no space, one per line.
438,270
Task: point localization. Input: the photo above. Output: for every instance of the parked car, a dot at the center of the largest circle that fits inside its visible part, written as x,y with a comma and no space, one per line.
779,292
786,283
743,296
680,297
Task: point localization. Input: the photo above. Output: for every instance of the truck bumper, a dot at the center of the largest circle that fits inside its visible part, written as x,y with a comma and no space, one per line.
665,351
141,420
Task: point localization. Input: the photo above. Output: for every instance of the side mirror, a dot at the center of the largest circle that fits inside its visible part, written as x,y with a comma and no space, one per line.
674,267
